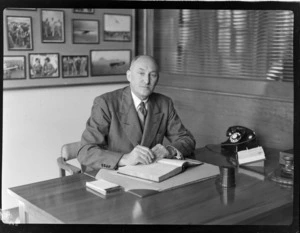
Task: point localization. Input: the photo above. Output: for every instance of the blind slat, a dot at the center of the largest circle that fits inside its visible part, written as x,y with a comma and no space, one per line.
222,43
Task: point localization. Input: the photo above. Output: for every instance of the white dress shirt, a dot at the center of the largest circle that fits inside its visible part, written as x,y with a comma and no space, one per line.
137,101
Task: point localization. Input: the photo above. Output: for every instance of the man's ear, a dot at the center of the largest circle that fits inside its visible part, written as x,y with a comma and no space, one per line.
128,75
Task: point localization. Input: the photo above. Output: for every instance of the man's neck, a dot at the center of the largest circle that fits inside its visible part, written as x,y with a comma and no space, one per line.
137,100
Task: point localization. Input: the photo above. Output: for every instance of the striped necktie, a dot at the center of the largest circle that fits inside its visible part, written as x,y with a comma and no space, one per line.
142,112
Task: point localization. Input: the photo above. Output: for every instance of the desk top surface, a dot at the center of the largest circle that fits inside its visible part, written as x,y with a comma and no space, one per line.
67,200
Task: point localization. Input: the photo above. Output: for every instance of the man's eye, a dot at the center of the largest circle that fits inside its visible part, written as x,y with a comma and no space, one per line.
153,75
141,73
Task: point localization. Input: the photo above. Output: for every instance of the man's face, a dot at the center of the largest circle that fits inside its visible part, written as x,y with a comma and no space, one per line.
143,77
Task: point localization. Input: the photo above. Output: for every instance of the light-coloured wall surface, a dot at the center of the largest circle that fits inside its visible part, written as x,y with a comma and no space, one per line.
36,123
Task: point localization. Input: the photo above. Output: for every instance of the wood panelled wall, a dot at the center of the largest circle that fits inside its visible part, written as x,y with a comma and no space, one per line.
208,106
208,114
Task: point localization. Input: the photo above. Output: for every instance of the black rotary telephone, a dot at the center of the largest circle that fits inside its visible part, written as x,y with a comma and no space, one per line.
239,138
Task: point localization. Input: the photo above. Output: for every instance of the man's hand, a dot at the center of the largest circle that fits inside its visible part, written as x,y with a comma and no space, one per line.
160,151
139,154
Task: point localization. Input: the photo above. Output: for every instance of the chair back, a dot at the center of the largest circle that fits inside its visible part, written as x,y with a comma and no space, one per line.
68,153
70,150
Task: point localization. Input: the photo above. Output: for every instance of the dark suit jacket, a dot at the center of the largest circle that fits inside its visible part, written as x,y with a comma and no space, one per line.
113,129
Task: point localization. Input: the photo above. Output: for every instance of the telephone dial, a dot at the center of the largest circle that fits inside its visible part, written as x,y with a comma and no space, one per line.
239,138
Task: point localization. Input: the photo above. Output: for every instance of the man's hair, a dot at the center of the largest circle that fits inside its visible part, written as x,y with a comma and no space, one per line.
137,57
47,59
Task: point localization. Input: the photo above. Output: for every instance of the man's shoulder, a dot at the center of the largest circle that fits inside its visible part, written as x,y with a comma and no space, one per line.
111,96
161,97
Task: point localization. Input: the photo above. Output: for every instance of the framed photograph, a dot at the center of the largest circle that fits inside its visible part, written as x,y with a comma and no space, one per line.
75,66
43,65
117,27
85,31
53,29
84,10
14,67
109,62
19,33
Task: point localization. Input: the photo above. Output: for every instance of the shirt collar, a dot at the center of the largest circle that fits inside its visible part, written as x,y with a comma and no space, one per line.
137,101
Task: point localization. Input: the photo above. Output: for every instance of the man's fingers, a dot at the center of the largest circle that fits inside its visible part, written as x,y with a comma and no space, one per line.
155,148
146,156
142,160
145,150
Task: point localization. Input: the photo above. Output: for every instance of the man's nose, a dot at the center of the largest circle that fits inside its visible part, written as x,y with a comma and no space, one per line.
147,79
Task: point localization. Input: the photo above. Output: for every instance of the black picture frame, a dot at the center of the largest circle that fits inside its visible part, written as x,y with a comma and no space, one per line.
19,33
109,62
14,67
38,71
117,27
72,68
21,9
85,31
52,26
84,10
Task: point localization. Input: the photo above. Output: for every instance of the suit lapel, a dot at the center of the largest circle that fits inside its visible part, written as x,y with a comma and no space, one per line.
152,123
129,119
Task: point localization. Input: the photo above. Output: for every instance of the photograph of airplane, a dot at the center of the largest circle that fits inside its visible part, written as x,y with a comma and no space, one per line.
85,31
109,62
117,27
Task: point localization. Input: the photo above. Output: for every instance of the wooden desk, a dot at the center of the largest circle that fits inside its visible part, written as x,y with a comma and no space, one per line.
66,200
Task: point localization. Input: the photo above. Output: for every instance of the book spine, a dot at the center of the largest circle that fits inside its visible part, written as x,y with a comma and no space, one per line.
96,189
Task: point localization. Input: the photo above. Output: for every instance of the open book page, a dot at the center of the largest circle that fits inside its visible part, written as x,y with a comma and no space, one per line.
157,172
181,163
174,162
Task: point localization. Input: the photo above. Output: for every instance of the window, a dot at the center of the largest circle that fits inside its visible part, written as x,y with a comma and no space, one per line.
250,44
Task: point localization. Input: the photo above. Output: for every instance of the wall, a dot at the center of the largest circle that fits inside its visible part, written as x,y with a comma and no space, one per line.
36,123
209,113
67,48
209,105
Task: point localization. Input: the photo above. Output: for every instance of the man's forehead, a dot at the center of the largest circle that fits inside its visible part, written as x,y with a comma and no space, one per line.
145,63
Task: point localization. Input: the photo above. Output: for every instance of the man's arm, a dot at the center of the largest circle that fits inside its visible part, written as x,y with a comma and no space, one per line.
51,70
93,152
179,137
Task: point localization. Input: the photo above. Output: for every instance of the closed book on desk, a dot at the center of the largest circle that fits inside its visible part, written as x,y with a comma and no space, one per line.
158,171
104,187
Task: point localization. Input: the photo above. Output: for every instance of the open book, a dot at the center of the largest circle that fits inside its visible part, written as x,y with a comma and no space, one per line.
143,188
158,171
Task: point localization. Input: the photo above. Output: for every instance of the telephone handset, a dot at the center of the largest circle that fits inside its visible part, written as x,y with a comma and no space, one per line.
239,138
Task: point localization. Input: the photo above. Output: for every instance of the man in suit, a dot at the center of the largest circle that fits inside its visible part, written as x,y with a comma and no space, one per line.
127,126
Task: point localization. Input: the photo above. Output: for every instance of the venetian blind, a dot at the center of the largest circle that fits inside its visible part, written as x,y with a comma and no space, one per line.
252,44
